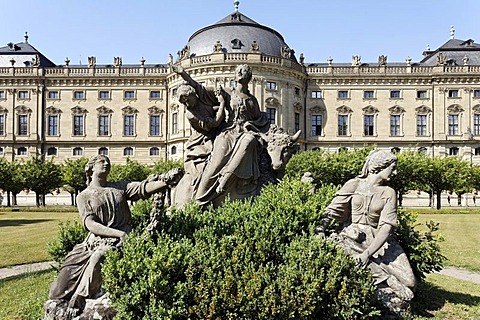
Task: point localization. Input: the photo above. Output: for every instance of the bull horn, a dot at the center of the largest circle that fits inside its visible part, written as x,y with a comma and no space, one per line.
296,136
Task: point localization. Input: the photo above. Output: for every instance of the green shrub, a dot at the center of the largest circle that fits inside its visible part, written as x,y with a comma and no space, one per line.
422,249
69,234
256,259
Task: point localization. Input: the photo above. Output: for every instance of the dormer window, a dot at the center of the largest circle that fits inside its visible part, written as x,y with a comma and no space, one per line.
237,44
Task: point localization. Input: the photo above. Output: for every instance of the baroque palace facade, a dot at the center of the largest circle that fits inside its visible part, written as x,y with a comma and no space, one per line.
69,111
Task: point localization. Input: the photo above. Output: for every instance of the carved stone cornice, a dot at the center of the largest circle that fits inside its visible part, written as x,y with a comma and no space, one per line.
317,109
455,108
155,110
396,110
369,110
174,107
78,110
128,110
23,110
344,110
423,109
53,111
272,102
3,110
104,110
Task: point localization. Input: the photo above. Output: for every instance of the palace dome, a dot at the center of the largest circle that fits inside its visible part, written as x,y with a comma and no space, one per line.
237,33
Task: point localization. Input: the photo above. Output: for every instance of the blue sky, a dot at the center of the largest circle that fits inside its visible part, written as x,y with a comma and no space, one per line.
153,29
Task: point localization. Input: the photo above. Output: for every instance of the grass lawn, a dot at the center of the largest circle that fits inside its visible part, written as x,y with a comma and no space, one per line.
462,238
24,235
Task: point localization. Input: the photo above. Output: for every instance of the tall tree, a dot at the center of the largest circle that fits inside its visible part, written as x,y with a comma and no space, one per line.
131,171
12,179
42,176
74,177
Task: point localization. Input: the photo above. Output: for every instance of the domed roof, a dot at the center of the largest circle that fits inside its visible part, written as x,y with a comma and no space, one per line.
237,33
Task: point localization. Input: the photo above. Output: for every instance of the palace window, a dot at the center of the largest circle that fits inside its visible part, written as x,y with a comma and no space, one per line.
103,151
477,151
77,152
421,125
270,85
128,151
342,94
1,151
154,151
342,125
2,95
395,150
368,125
453,93
155,94
422,94
233,83
103,125
174,92
394,94
476,124
317,94
2,124
155,125
453,151
104,94
271,112
476,93
128,125
22,151
78,127
317,123
174,150
23,94
453,124
395,125
54,95
175,122
79,95
297,121
52,151
368,94
22,124
129,94
297,91
53,125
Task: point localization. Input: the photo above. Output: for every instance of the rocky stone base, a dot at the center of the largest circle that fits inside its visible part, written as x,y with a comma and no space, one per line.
98,309
394,306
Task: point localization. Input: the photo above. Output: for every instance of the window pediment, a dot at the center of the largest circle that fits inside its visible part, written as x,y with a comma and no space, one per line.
272,102
129,110
174,107
344,110
455,109
423,109
369,110
476,108
298,106
53,111
104,110
78,110
23,110
3,110
317,109
155,110
396,110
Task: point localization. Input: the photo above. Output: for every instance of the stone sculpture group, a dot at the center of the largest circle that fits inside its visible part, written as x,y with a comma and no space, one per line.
233,152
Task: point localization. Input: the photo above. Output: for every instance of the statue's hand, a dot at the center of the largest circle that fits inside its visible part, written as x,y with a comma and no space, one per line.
361,259
121,240
177,69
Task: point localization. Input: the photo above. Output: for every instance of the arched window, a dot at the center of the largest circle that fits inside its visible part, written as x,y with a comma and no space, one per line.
174,150
395,150
22,151
77,151
128,151
422,150
342,149
52,151
154,151
103,151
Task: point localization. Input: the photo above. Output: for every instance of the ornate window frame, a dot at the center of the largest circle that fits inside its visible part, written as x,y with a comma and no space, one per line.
454,110
104,112
370,111
397,110
129,111
344,111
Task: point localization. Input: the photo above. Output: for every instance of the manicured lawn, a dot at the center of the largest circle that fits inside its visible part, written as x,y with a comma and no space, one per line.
462,238
24,235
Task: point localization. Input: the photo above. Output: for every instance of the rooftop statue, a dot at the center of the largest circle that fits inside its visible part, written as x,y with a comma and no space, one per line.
367,208
232,141
105,213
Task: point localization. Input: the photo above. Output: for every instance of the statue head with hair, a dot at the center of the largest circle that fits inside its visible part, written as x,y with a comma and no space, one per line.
186,95
243,73
89,167
377,161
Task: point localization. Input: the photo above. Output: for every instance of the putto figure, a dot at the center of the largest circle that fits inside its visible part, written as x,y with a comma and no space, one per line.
105,213
367,208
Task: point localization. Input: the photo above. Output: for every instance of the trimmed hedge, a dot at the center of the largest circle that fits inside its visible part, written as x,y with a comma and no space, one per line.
257,259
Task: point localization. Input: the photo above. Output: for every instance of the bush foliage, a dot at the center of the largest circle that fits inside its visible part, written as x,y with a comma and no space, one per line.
258,259
69,234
